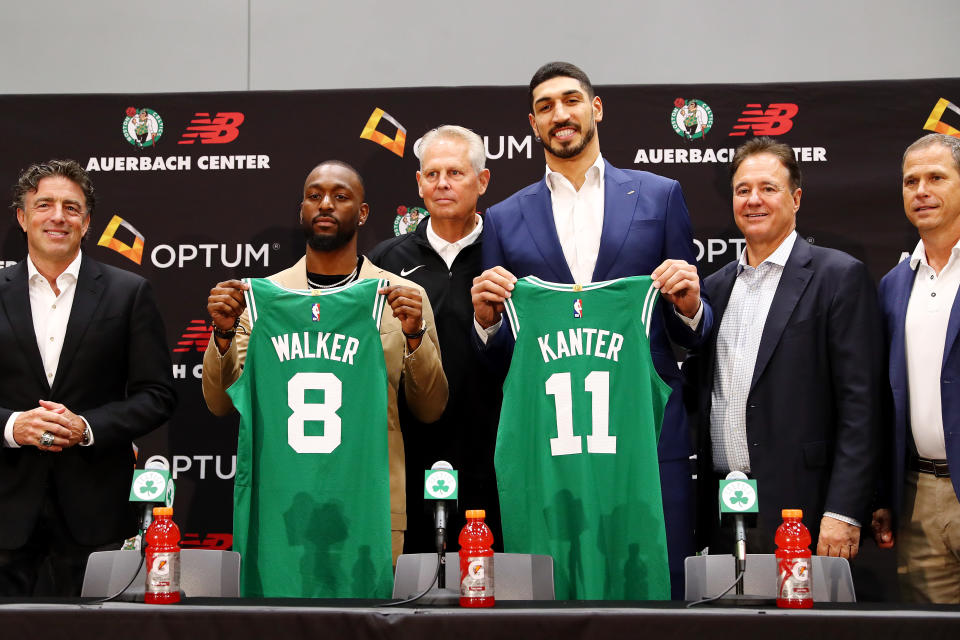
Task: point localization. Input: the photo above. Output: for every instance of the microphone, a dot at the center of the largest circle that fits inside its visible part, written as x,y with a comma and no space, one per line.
738,495
151,487
440,484
740,548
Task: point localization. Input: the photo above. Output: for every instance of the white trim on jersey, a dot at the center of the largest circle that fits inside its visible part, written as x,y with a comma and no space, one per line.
251,303
511,312
560,286
648,303
379,301
314,292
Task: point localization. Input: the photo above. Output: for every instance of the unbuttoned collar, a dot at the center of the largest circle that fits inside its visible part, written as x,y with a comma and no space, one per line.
778,257
73,269
920,255
597,169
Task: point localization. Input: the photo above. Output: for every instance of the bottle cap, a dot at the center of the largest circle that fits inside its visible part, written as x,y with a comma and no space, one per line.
162,511
791,513
476,513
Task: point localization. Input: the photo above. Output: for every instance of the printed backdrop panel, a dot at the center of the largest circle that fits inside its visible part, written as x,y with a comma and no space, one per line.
196,188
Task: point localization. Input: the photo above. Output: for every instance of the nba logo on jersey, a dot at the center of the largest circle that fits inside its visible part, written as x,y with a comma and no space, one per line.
578,308
316,312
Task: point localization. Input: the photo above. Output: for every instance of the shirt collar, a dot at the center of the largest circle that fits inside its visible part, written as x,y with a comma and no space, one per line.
920,254
598,168
439,243
73,269
779,257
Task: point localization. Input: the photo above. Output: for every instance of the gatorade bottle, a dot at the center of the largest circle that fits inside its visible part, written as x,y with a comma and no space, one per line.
476,561
795,579
163,558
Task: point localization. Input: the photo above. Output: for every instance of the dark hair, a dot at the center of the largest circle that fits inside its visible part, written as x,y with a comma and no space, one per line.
951,143
349,167
559,70
69,169
765,144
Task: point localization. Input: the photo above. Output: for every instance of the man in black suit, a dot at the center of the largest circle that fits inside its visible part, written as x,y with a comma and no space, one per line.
85,370
787,389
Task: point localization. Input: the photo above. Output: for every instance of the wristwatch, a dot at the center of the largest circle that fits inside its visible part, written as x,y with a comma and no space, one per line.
418,334
85,438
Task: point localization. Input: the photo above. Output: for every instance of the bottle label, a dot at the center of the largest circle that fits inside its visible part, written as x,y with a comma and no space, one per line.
163,572
796,580
478,580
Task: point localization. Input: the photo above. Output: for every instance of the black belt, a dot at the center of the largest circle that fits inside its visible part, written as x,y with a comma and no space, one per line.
938,468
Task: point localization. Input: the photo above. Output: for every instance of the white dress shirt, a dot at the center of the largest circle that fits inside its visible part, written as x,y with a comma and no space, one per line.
925,336
738,342
51,313
578,217
448,250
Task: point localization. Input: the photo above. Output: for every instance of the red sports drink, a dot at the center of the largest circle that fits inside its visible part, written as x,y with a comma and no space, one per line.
794,575
476,561
163,558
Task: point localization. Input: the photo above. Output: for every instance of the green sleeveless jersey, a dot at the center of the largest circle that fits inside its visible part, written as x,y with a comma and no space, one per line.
576,454
312,489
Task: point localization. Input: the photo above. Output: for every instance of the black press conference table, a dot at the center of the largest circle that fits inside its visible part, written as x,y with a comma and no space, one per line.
236,619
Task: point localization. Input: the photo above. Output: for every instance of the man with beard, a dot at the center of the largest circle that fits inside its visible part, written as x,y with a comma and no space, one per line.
587,221
331,210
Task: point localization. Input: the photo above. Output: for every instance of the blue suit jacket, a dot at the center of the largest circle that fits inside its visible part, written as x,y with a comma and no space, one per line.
645,222
895,289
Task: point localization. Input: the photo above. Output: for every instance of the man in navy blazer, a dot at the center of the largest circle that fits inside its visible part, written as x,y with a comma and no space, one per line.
787,388
85,370
588,221
921,312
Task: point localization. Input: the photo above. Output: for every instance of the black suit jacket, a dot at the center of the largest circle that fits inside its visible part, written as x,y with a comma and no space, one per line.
812,417
114,370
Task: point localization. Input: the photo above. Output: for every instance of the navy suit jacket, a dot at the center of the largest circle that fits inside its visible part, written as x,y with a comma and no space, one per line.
895,289
813,410
114,370
645,221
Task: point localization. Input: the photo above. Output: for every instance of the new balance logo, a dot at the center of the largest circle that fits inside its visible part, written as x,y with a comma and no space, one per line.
194,338
221,129
775,120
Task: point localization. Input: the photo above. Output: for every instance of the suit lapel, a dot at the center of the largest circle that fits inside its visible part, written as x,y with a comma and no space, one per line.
15,298
721,286
537,212
86,299
794,280
620,197
903,286
718,288
953,328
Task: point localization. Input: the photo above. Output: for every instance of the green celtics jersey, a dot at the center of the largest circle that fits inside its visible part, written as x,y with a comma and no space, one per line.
576,454
312,490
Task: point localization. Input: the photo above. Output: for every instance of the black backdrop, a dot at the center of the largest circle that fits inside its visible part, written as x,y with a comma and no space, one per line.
200,222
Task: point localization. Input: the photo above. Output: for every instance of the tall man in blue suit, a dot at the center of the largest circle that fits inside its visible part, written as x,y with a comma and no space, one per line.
921,312
787,388
587,221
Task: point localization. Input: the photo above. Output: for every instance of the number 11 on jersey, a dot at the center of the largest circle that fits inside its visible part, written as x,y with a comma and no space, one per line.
597,384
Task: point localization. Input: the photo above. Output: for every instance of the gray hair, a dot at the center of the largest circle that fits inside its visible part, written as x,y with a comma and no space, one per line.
950,142
475,148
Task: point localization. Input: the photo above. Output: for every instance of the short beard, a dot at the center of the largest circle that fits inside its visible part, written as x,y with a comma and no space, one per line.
569,152
328,242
